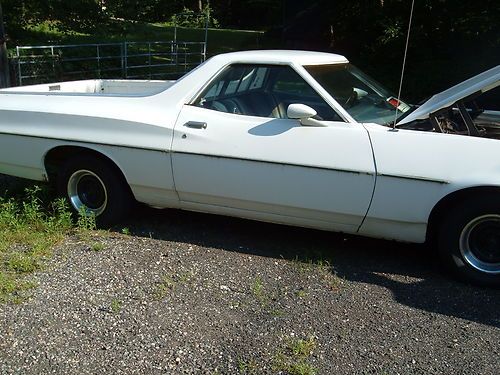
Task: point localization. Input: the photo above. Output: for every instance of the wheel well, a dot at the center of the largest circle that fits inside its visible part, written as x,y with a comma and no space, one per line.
57,156
441,208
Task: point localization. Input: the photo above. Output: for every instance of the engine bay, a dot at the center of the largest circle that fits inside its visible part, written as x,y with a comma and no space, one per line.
465,117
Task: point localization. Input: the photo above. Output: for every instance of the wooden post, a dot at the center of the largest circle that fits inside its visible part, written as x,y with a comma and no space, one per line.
4,62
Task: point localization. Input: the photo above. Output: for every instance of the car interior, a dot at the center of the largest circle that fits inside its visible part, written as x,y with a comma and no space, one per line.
263,91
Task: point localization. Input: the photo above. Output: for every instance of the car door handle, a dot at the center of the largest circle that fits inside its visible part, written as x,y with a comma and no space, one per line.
196,125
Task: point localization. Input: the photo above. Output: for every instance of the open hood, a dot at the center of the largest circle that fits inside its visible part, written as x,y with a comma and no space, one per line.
481,83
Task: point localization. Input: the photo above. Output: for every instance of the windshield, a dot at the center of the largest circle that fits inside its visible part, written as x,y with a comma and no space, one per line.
362,97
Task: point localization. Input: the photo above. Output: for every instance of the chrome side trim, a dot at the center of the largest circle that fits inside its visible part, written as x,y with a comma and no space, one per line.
415,178
90,142
273,162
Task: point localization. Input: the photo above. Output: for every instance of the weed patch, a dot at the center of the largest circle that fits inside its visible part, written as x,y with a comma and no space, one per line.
294,358
323,267
29,229
86,221
247,367
164,287
258,289
267,299
301,293
116,306
170,282
97,246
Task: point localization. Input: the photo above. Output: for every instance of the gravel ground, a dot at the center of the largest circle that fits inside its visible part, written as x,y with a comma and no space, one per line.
189,293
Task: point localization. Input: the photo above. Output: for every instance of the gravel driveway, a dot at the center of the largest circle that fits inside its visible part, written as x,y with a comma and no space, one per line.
188,293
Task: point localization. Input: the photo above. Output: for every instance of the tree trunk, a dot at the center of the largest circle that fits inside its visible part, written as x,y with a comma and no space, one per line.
4,62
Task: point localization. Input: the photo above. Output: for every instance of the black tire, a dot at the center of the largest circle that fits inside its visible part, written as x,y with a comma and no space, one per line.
97,184
469,240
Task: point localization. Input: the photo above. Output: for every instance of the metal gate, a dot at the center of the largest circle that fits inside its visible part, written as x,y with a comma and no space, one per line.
141,60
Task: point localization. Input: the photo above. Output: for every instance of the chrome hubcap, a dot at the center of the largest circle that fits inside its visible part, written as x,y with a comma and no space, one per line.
480,243
87,191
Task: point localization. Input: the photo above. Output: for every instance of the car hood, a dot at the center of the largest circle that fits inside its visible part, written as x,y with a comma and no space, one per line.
481,83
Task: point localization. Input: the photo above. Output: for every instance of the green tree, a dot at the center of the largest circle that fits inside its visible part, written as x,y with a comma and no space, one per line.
74,14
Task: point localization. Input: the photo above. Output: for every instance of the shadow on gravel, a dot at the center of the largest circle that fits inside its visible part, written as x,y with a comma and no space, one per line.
408,271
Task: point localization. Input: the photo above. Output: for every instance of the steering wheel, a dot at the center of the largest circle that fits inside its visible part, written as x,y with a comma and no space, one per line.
353,98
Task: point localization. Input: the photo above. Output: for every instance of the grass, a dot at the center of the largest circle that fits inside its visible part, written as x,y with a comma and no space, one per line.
169,282
294,358
78,62
261,295
302,348
301,293
164,287
116,305
323,268
28,231
299,368
266,299
258,289
86,222
32,222
97,246
277,313
247,367
113,31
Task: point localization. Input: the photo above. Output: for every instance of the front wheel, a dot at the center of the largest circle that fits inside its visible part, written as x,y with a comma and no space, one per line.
93,186
469,240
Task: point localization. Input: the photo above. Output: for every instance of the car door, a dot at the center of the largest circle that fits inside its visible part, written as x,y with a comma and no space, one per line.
235,152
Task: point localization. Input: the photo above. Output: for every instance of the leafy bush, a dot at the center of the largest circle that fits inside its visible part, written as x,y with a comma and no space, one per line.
190,18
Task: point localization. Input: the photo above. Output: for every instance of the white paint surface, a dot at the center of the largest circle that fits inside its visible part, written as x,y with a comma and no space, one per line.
327,177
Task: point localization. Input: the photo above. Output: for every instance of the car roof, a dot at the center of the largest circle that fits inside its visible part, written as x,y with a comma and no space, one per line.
280,56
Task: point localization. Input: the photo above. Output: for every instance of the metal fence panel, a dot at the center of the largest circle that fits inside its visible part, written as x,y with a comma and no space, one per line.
140,60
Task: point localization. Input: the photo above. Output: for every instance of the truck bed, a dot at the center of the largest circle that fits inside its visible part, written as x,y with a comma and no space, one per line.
107,87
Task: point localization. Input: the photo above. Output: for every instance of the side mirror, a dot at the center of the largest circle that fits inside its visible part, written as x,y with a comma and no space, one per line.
304,114
300,111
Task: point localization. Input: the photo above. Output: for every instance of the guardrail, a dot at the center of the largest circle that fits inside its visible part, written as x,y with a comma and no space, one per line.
145,60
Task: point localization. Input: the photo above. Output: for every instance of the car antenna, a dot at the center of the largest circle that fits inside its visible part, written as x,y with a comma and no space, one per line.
403,68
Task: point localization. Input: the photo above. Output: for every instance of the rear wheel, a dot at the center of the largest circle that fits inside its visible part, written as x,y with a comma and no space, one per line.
95,187
469,240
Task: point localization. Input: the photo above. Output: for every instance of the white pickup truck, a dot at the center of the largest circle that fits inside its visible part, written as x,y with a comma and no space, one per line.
293,137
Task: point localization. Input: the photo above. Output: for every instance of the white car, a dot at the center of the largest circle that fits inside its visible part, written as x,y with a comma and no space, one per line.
292,137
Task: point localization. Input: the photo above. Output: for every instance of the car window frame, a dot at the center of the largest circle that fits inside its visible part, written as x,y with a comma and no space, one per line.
322,91
343,115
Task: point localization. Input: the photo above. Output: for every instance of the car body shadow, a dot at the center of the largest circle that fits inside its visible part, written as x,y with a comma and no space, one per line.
274,127
409,271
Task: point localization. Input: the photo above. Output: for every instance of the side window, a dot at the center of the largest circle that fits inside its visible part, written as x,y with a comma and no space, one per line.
289,88
289,82
261,90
